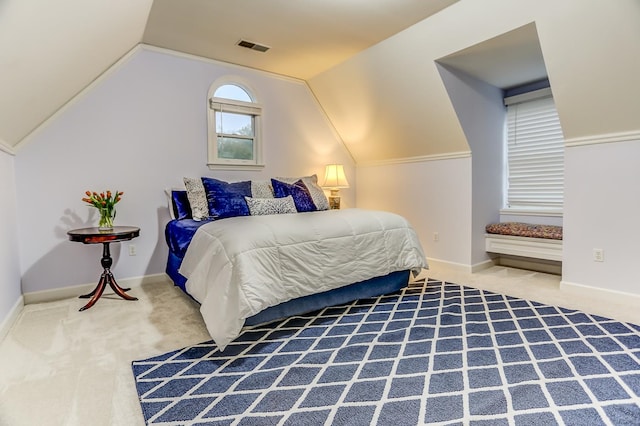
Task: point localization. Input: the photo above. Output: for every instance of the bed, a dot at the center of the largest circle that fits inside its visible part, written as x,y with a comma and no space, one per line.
255,268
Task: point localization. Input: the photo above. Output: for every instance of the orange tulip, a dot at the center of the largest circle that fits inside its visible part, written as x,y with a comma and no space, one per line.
105,200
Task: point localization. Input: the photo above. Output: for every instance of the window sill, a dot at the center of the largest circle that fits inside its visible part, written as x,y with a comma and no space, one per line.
216,166
531,212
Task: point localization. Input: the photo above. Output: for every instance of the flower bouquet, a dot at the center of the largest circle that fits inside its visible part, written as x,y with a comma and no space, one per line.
105,202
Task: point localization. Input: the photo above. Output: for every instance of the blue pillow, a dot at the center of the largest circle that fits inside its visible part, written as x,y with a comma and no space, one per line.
180,205
226,199
299,192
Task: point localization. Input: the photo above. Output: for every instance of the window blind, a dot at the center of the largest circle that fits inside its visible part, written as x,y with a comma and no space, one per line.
535,155
236,107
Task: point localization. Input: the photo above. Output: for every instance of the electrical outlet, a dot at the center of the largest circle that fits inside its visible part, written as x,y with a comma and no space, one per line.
436,237
132,249
598,255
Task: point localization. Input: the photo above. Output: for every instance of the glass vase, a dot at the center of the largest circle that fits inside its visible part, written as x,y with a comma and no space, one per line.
106,220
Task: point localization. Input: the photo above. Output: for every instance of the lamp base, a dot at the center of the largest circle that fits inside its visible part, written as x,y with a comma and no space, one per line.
334,200
334,203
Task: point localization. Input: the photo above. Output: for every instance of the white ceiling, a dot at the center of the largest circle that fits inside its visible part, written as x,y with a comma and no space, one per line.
306,36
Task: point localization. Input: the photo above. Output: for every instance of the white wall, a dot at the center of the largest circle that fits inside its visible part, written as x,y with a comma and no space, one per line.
389,102
143,128
602,207
10,294
140,130
435,196
393,92
480,110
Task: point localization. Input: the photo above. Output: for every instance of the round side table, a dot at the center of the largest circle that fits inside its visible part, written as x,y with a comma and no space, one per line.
97,236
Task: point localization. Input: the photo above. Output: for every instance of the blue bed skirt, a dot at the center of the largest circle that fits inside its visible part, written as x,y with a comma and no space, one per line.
361,290
173,264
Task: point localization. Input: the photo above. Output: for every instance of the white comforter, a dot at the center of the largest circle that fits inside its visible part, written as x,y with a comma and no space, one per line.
239,266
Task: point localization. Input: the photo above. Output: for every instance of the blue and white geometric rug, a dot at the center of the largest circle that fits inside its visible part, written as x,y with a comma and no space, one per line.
434,353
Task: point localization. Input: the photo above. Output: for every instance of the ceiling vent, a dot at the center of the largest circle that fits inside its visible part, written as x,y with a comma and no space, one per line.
253,46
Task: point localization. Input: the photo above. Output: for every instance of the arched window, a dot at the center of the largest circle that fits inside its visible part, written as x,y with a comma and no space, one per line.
234,127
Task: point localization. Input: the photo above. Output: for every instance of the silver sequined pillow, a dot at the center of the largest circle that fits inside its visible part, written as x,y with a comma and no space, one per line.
197,198
316,192
261,189
264,206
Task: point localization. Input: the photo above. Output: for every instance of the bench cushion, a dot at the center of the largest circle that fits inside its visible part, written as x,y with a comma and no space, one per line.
519,229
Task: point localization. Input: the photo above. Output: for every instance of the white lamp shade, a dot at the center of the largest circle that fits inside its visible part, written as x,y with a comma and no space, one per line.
334,177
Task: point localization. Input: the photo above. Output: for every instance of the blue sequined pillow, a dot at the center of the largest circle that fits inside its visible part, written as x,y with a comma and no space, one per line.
226,199
299,192
316,192
180,204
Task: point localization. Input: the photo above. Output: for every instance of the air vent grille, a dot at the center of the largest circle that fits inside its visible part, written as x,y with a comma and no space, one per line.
253,46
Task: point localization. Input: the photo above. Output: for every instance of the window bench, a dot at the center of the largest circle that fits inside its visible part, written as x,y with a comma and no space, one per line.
532,241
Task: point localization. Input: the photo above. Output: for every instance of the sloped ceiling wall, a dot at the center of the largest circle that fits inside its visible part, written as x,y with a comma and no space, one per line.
389,100
505,61
51,50
386,102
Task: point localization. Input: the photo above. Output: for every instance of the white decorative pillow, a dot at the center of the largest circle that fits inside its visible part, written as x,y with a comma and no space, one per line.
263,206
316,192
261,189
197,198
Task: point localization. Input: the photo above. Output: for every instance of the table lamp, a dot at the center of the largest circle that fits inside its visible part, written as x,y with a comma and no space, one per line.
334,179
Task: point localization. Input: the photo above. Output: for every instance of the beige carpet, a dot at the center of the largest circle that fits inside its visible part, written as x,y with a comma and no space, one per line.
64,367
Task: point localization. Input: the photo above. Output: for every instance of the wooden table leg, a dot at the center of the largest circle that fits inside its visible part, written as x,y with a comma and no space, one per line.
105,278
96,293
88,295
117,289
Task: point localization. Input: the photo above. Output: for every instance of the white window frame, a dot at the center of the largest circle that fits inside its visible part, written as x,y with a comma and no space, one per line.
548,140
253,109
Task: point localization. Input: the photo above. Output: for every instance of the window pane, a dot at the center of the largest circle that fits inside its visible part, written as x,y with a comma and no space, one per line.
231,91
234,124
234,121
235,149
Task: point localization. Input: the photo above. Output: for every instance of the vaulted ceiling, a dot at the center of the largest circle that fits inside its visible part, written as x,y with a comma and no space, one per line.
50,51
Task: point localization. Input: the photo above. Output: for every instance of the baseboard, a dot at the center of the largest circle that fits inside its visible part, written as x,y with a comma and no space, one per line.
460,267
452,266
539,265
11,318
597,293
477,267
76,290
